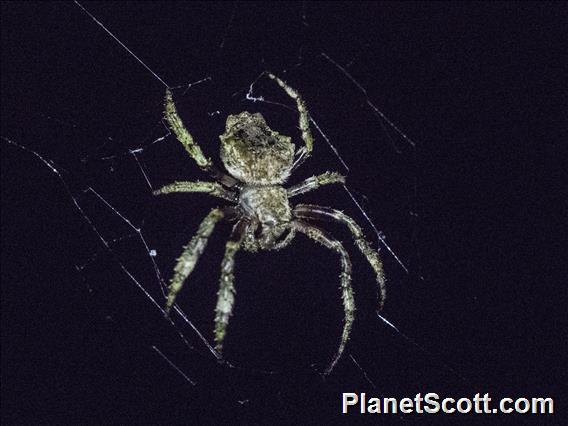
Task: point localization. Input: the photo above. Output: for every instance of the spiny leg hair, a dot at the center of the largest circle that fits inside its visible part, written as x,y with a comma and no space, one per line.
212,188
315,182
190,255
309,211
226,293
176,125
347,291
304,120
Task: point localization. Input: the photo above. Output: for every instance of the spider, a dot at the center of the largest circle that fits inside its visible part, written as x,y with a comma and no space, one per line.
259,161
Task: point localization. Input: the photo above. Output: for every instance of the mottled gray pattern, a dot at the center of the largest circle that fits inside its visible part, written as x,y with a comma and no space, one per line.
254,153
259,161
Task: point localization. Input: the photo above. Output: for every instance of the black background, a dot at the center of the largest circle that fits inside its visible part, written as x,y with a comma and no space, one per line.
472,210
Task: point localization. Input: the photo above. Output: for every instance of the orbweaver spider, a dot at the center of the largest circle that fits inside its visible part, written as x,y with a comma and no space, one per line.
259,161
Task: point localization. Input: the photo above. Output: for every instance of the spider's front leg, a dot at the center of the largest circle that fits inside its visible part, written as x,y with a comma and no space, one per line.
315,212
226,293
347,291
191,253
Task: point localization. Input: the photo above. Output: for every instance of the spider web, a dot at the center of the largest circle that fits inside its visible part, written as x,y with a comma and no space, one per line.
121,242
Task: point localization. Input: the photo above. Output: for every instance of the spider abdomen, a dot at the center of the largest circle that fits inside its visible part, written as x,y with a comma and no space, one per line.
254,153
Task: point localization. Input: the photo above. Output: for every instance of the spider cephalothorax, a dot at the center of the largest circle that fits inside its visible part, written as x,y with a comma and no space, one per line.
271,212
259,160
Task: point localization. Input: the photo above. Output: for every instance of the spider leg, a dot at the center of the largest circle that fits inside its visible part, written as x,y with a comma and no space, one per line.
285,242
226,293
176,125
315,182
212,188
310,211
347,291
191,253
304,120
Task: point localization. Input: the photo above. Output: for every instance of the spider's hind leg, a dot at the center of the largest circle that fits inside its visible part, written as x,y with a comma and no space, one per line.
176,125
182,134
304,120
346,289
